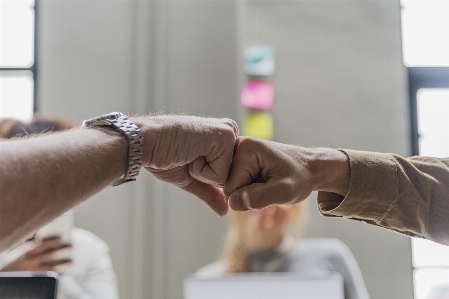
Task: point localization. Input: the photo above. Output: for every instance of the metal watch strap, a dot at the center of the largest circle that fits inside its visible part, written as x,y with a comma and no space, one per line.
120,122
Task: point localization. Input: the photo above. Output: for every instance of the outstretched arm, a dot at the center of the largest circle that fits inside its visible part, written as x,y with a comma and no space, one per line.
409,195
42,177
265,173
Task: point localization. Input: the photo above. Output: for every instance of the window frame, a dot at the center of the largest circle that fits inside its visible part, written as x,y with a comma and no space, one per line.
418,78
33,68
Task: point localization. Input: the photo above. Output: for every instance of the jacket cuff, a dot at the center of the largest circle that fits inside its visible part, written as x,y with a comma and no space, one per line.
373,188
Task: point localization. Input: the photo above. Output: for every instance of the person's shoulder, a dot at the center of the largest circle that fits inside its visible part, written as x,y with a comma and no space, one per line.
320,242
330,246
87,241
211,270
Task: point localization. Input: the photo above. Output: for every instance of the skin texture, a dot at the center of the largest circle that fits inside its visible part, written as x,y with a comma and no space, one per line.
200,161
264,173
39,258
43,177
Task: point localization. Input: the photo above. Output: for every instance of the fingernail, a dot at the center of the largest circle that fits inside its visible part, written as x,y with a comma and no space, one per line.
244,198
234,203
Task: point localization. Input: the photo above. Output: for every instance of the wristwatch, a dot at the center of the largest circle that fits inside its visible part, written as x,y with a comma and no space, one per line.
119,122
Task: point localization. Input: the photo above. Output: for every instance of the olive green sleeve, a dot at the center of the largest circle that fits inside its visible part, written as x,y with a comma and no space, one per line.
408,195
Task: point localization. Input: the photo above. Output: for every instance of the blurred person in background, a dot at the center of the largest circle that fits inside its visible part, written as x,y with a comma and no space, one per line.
269,240
82,259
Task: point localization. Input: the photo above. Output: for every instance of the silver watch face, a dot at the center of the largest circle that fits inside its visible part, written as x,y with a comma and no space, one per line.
103,120
119,122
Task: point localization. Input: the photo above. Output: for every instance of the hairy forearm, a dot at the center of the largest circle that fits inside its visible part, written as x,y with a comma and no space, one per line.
42,177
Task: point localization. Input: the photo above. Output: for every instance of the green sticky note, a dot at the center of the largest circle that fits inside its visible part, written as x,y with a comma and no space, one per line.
258,125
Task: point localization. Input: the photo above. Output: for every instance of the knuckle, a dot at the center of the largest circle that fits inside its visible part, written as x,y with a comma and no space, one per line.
230,122
234,129
247,142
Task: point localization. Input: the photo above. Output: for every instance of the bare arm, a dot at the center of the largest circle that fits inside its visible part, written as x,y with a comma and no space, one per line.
42,177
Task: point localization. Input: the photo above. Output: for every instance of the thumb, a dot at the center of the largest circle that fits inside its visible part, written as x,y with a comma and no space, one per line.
211,195
261,195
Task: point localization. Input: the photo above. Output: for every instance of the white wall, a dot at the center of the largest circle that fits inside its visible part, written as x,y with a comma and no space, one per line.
141,56
339,82
86,68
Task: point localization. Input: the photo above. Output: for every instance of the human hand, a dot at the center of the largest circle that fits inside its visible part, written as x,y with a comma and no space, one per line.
264,173
40,258
192,153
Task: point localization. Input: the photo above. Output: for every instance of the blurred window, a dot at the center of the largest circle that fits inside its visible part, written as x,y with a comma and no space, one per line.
425,35
425,32
431,260
17,59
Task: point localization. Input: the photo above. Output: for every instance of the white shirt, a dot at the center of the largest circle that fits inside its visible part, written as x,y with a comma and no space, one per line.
90,275
312,255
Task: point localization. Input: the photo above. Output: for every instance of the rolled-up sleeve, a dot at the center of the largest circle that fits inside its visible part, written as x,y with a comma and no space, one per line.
408,195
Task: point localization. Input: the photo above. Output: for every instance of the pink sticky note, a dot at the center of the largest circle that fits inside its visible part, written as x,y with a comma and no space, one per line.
258,95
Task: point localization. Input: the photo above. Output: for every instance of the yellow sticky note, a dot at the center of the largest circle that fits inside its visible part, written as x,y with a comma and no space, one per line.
258,125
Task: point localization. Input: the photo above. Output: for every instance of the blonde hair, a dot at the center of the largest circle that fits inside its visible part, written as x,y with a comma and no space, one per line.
235,254
41,123
6,126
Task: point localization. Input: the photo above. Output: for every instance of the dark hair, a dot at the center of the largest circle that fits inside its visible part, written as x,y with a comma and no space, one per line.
10,128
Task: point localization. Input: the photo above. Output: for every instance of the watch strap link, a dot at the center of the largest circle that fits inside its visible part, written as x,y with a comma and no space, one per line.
119,122
135,145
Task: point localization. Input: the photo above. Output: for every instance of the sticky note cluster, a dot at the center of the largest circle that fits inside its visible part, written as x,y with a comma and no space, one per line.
258,92
258,95
259,125
259,61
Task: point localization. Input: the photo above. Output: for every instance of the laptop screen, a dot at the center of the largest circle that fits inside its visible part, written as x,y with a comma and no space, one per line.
27,285
266,286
